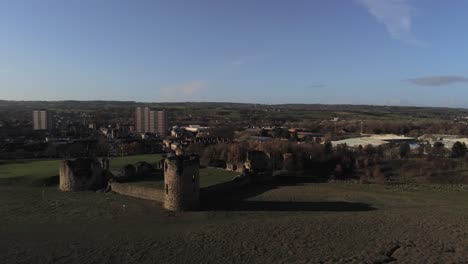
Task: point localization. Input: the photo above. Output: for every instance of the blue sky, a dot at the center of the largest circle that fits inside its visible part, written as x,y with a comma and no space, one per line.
386,52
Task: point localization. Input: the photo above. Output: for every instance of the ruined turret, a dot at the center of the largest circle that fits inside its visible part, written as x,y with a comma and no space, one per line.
293,162
105,163
82,174
259,165
288,162
181,182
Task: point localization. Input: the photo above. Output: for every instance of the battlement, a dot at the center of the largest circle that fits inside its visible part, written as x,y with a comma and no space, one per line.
181,161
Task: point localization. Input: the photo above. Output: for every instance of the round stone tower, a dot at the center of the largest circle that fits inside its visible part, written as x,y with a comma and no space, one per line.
181,182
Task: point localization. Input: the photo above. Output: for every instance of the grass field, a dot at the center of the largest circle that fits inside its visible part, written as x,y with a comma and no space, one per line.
286,221
298,223
38,172
41,172
122,161
212,176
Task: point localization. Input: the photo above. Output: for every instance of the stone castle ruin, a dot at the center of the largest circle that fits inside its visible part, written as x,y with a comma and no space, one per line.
132,172
258,165
83,174
143,168
293,162
181,187
181,182
181,179
126,173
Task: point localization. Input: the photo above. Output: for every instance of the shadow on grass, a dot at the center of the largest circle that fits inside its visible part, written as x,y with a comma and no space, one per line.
30,181
50,181
10,162
236,200
154,176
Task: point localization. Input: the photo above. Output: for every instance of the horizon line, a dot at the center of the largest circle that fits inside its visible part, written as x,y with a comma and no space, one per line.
239,103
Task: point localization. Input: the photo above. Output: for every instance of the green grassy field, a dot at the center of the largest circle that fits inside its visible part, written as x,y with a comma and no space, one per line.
39,172
120,162
212,176
291,223
44,172
28,172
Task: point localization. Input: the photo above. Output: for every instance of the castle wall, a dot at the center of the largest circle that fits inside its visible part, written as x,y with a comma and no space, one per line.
138,191
143,168
289,163
258,161
293,162
259,166
81,175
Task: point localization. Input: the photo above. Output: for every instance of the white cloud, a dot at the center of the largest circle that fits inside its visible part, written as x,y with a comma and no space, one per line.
396,15
184,91
438,80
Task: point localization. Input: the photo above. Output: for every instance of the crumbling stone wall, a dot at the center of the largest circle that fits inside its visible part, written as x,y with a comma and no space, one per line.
258,161
299,161
288,162
82,174
143,168
128,171
138,191
131,172
231,167
293,162
105,164
259,166
181,182
124,174
236,167
160,165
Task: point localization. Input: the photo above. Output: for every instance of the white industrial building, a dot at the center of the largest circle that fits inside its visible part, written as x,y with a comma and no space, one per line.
374,140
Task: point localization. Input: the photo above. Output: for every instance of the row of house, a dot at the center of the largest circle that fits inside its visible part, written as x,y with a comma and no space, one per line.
447,140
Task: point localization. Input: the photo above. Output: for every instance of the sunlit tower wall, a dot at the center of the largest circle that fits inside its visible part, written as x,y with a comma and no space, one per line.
181,183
